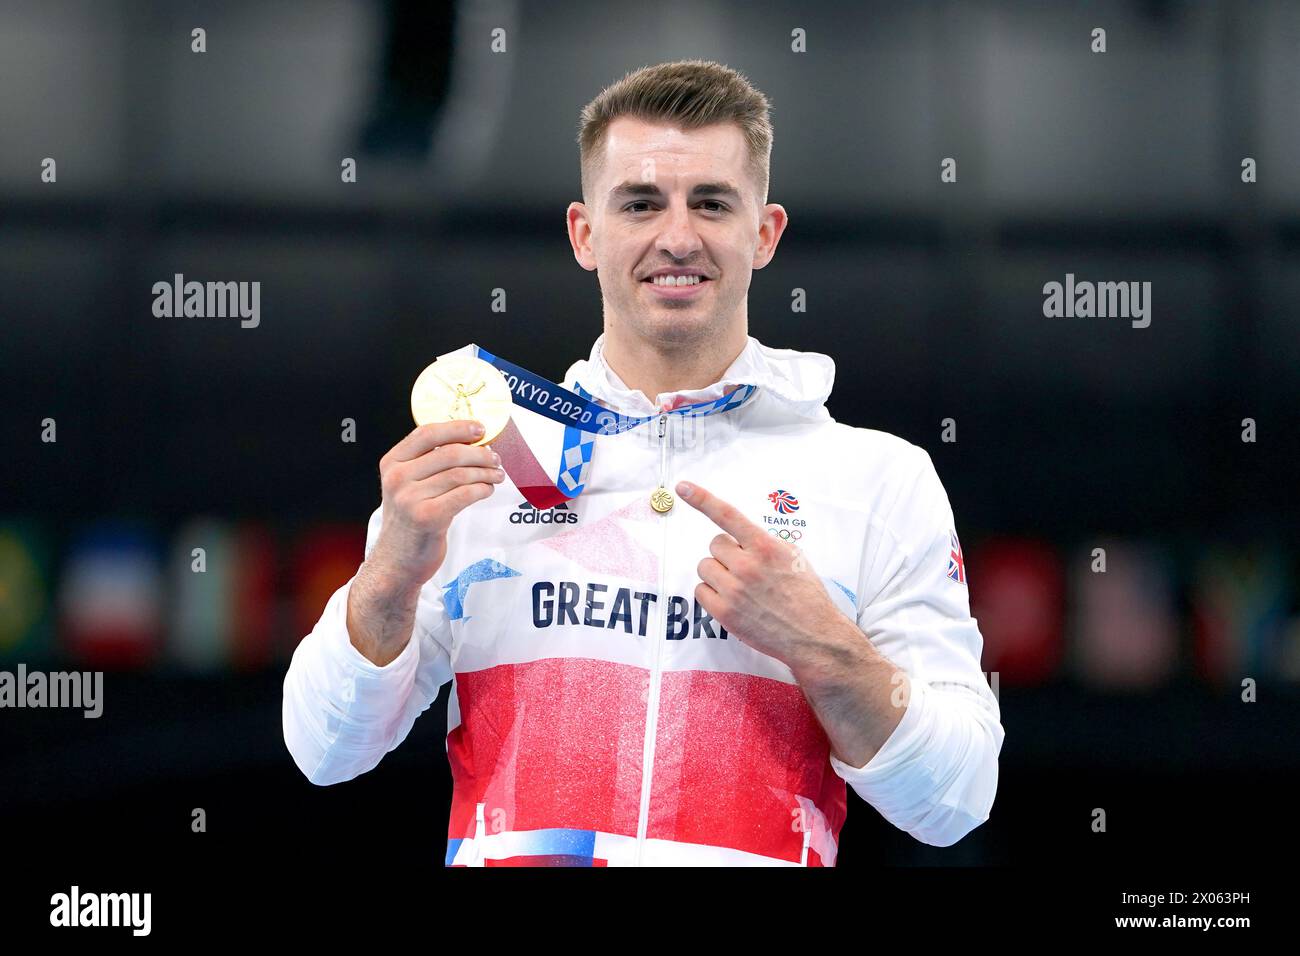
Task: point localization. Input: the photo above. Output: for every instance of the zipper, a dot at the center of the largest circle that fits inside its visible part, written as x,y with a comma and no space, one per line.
661,626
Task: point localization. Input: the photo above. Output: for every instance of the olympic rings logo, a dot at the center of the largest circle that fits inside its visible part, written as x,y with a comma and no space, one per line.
785,534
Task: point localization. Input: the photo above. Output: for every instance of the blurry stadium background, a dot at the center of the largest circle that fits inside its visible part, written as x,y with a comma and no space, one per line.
1119,690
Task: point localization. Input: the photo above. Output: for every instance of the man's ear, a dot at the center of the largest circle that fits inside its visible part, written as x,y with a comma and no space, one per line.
770,228
580,235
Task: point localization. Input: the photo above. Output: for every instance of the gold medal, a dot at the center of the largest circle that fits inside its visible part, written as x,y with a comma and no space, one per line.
661,500
462,387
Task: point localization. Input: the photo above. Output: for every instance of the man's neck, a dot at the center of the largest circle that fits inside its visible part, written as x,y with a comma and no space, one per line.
652,369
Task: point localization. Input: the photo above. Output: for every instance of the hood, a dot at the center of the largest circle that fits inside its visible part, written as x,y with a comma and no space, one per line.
798,382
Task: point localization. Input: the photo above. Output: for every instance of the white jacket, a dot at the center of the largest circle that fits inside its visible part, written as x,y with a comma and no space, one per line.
575,737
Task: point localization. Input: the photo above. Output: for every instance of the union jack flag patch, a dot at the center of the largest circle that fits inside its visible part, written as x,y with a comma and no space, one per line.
956,563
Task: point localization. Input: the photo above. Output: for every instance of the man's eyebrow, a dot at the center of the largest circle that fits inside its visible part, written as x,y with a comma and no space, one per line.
716,189
630,189
633,189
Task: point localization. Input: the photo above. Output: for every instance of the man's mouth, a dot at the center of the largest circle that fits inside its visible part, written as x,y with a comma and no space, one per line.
667,281
676,286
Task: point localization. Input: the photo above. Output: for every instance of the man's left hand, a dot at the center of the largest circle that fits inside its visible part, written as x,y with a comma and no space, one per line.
760,588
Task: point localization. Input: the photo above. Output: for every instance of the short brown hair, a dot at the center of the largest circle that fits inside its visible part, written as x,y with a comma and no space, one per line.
687,94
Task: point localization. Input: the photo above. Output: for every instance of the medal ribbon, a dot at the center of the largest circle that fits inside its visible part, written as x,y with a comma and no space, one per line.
583,420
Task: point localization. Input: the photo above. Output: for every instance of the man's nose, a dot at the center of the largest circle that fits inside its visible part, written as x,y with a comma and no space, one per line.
678,237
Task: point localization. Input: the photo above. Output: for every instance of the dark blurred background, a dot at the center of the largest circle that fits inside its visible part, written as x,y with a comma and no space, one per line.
1119,691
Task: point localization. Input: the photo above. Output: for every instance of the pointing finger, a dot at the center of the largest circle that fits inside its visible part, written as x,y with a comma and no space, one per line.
726,516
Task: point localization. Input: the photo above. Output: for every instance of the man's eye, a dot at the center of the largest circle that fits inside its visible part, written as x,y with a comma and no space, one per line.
722,207
639,202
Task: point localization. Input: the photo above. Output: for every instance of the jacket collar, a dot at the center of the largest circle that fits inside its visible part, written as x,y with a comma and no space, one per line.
801,381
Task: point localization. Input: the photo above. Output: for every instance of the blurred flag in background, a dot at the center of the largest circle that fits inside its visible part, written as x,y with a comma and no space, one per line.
1240,599
111,597
325,558
1125,629
222,584
25,593
1019,603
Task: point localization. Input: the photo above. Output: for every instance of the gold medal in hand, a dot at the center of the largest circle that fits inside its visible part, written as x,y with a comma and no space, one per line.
462,387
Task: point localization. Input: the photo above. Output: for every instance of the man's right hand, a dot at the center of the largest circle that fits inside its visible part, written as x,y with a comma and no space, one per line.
427,478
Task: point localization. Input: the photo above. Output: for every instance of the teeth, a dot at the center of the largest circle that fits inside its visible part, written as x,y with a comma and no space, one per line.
677,280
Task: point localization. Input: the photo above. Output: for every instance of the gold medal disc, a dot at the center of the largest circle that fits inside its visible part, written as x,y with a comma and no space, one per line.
462,387
661,500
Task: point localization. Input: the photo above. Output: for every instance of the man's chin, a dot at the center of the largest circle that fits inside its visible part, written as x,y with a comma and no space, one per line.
671,321
679,326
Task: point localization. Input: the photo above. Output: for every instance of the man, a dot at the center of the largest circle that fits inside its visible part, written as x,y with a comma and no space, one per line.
695,684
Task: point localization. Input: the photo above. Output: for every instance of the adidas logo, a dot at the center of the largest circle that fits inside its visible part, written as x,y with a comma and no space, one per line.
560,514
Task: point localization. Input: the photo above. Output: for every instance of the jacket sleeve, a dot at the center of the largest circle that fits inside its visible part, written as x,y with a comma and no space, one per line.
937,774
342,712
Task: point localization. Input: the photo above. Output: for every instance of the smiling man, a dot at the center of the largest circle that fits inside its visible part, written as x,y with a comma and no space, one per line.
674,221
654,683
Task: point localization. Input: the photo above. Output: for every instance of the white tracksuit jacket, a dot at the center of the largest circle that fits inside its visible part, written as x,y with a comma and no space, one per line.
599,717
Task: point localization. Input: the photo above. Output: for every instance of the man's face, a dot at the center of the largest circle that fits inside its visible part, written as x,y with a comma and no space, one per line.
678,202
